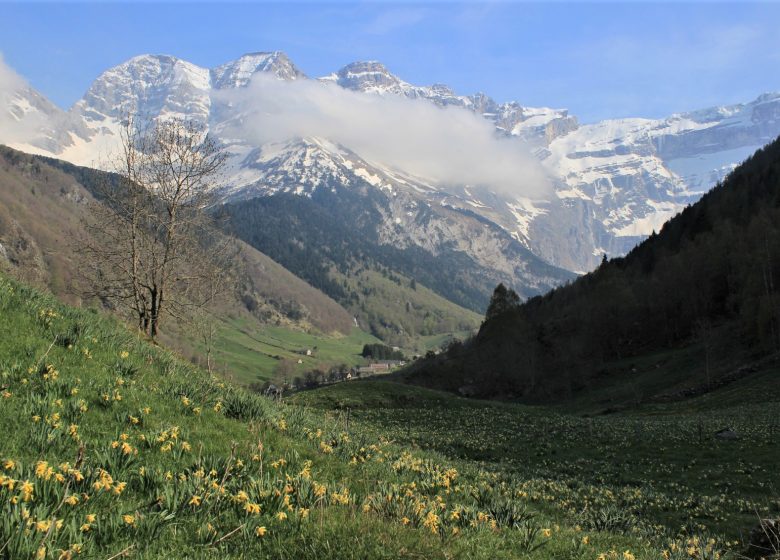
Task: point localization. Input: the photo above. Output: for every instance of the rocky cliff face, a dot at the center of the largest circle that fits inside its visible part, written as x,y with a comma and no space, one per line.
634,174
395,211
616,181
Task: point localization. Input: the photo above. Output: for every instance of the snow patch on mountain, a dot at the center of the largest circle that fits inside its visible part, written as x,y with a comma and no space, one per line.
650,222
525,210
701,171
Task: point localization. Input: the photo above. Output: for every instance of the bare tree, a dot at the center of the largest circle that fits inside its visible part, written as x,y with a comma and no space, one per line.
153,248
207,328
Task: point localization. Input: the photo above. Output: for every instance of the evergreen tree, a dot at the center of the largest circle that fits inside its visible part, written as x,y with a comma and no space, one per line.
501,301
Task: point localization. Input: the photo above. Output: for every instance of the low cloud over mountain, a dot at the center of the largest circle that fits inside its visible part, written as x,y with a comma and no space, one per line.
20,119
444,145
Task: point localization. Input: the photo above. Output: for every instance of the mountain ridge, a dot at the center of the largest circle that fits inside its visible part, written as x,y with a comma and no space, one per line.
614,182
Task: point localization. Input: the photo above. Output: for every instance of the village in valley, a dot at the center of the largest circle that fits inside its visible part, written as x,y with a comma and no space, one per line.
377,360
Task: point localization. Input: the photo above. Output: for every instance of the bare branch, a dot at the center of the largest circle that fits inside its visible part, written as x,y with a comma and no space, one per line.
153,248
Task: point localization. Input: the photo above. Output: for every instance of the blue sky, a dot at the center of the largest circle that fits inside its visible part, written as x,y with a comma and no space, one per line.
600,60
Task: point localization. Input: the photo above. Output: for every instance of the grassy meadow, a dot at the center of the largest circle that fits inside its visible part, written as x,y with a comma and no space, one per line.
657,471
248,353
406,316
115,448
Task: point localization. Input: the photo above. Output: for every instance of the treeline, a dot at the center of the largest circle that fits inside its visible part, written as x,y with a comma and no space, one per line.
381,352
709,277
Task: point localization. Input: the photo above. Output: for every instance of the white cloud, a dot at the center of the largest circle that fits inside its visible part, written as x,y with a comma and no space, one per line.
20,120
446,145
9,79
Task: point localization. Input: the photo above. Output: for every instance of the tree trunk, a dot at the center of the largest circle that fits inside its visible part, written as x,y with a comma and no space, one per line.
154,315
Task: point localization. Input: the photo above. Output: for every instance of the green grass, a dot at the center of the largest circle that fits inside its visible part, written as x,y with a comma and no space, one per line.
403,316
438,341
375,394
97,422
250,353
171,458
656,469
642,380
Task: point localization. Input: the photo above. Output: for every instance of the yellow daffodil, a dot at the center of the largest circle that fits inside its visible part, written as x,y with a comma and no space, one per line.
252,509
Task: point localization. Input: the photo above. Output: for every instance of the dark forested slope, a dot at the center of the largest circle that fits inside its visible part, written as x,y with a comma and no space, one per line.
705,285
312,236
337,230
331,241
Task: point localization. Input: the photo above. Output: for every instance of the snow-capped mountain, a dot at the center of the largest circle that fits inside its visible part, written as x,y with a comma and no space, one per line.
27,117
511,118
149,85
238,73
634,174
21,103
404,214
614,181
374,77
617,180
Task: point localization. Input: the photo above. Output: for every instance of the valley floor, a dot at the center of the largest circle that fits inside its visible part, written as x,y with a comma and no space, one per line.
658,471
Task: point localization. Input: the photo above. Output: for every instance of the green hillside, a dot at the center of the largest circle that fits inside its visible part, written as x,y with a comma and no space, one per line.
115,447
404,313
251,355
44,205
692,309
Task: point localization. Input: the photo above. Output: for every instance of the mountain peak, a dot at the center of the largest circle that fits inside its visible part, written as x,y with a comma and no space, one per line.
145,65
369,75
150,58
144,83
239,72
767,105
364,65
766,97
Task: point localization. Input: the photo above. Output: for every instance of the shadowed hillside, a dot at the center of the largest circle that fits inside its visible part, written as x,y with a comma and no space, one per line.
693,308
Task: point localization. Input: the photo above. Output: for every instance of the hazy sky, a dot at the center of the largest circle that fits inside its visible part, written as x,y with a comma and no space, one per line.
599,60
